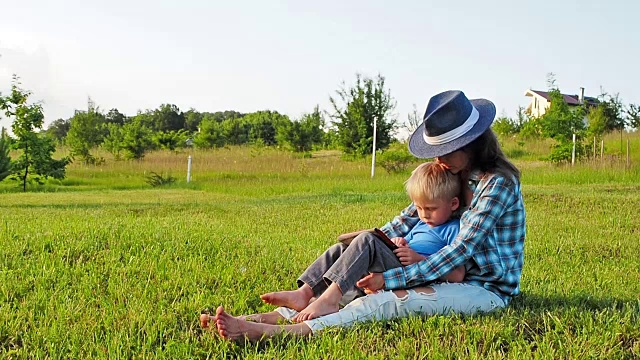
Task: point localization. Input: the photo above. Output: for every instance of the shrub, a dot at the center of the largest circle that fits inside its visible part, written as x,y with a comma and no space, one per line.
561,151
155,179
505,126
396,159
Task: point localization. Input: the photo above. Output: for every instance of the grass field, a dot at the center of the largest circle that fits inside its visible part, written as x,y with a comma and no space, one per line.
102,265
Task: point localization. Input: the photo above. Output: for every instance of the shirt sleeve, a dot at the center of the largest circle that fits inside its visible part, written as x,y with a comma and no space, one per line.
475,226
403,223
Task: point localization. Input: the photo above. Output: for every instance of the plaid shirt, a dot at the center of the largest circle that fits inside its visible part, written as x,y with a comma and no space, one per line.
490,243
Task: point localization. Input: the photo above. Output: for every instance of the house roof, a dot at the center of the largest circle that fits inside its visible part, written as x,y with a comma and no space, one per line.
569,99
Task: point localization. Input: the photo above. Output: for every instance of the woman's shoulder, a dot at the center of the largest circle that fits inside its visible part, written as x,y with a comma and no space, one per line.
501,188
499,179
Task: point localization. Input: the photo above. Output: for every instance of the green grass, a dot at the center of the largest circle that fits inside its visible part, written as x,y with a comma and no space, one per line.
101,265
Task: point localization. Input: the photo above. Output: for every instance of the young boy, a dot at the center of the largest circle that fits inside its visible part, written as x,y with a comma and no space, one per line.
435,193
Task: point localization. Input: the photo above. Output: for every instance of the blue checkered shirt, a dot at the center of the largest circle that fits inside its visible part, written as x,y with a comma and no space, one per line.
490,243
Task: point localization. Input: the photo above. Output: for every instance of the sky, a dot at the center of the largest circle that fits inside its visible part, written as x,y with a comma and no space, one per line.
289,56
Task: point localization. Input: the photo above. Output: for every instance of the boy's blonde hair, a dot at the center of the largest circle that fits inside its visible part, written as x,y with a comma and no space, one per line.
432,181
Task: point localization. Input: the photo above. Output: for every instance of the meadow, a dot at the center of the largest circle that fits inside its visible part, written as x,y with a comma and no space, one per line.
102,265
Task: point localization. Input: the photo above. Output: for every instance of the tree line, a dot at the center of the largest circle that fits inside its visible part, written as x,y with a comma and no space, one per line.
353,112
354,109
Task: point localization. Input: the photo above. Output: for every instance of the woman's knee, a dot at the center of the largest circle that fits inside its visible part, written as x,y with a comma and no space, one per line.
400,293
423,290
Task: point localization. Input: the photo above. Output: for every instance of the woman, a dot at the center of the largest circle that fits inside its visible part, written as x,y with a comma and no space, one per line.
456,132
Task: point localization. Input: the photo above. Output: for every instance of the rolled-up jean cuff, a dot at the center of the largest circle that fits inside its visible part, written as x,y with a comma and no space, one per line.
330,277
317,290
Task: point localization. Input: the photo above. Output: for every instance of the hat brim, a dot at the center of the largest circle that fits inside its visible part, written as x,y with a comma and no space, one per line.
419,148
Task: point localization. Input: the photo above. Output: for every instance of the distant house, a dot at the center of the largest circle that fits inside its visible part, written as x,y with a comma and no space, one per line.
540,101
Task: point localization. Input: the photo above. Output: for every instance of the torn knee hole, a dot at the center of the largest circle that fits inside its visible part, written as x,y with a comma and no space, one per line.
426,290
401,294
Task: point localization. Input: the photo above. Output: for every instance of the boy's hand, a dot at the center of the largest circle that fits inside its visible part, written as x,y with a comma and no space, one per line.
407,256
400,241
371,283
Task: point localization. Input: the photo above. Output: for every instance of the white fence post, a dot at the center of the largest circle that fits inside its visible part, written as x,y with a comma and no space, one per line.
628,156
189,169
573,152
373,155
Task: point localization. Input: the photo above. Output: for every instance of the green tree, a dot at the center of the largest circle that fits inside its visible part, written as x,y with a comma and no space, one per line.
58,130
167,117
170,140
596,122
192,119
5,160
114,140
612,110
211,135
507,126
304,134
35,161
115,117
221,116
136,140
357,108
561,123
236,131
85,133
264,125
504,126
633,115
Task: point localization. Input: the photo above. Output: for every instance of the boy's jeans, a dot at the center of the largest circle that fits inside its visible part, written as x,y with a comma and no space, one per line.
447,298
345,265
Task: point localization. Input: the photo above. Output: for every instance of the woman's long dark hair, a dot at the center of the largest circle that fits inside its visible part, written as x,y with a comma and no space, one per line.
487,156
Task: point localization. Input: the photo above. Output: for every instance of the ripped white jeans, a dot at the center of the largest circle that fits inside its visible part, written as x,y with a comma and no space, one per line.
446,298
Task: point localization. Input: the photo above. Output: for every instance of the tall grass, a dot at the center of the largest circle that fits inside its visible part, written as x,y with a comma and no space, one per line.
122,270
614,152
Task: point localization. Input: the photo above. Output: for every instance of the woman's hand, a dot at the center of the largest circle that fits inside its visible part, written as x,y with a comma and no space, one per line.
407,256
399,241
371,283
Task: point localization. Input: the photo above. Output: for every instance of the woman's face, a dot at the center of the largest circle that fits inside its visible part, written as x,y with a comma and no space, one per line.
455,161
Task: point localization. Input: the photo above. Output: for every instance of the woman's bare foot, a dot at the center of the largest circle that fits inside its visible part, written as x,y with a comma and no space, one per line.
232,328
205,319
296,299
273,318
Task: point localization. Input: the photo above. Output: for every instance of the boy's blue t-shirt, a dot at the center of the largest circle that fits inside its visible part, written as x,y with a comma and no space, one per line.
427,240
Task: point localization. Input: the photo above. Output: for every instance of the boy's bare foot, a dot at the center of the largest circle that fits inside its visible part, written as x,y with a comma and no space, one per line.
296,299
316,309
327,303
232,328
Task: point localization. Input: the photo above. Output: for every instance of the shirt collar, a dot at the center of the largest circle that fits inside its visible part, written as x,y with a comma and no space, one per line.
474,178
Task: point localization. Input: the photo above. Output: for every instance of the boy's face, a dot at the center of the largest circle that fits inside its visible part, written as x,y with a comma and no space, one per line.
436,212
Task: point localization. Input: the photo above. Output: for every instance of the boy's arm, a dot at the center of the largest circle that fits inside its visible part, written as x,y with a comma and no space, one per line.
401,224
398,227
